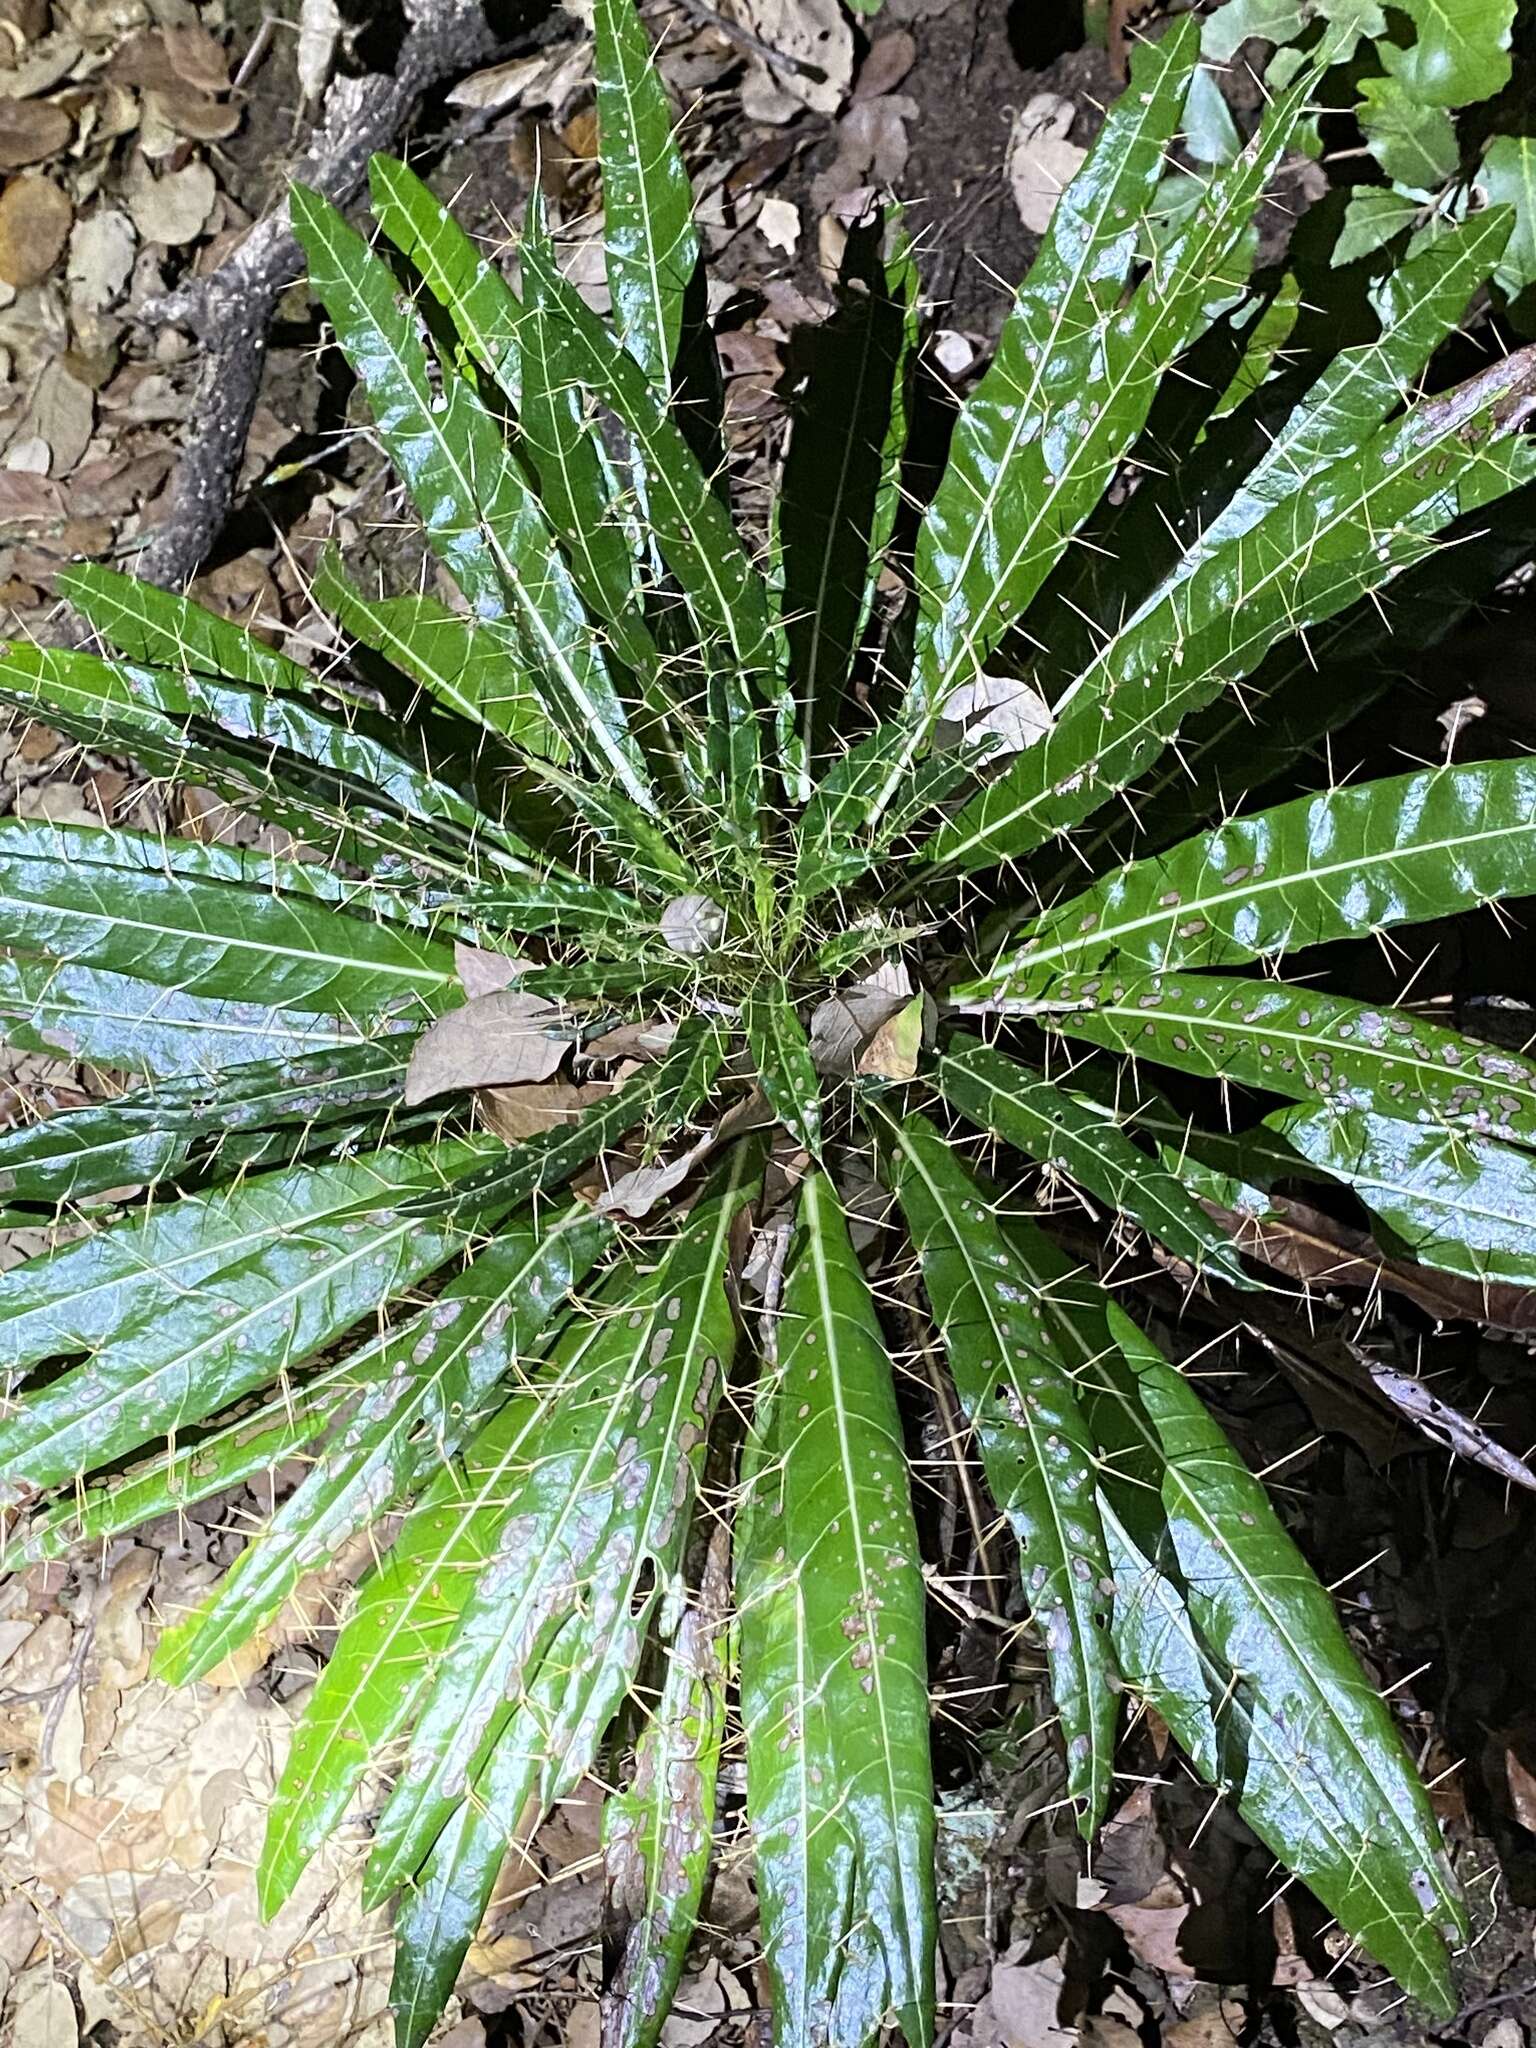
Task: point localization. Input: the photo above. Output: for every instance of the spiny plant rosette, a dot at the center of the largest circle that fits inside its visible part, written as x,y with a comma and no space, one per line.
746,843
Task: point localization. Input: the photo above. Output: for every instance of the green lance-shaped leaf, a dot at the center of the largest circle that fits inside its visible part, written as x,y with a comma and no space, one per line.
846,828
700,1048
536,902
182,1345
1337,866
474,670
148,1134
434,1380
1305,1044
693,529
1361,520
1418,306
1160,1656
480,512
578,486
591,1532
445,1902
1459,1203
626,833
649,238
107,849
1303,690
658,1827
406,1613
1324,1780
1053,1127
279,753
136,905
75,1298
1075,375
1025,1409
167,630
835,485
784,1065
465,282
114,1020
834,1691
199,1463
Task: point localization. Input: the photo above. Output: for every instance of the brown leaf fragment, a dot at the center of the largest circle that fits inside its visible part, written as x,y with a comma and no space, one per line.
536,1107
35,219
173,209
1446,1425
197,58
890,58
1308,1246
481,973
31,131
194,115
495,1040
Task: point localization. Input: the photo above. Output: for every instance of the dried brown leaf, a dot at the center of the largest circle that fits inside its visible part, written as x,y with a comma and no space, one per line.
171,210
193,114
197,58
101,251
35,219
890,58
495,1040
31,131
813,43
526,1112
481,973
1041,163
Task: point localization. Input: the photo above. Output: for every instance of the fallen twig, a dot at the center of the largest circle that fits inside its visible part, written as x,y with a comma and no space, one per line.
231,309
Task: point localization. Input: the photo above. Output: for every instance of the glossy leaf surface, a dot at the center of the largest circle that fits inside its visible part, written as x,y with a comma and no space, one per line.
1059,1132
1341,865
834,1692
649,238
433,1381
1023,1405
1307,1044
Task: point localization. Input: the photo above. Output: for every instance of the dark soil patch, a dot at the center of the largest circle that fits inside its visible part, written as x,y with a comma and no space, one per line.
968,81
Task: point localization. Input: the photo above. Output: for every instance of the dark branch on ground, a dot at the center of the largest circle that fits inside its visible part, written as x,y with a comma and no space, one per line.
231,309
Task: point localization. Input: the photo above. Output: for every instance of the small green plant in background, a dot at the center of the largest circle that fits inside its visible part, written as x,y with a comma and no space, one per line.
816,889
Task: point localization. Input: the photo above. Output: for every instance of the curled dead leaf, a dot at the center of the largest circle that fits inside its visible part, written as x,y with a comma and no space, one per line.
892,1052
1001,708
